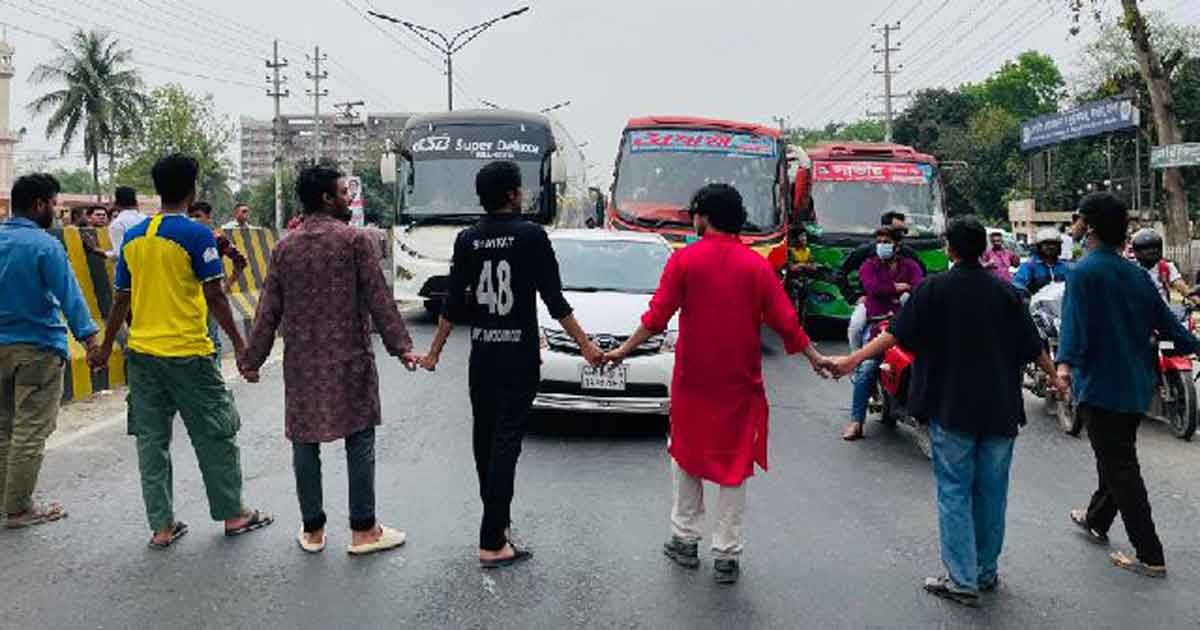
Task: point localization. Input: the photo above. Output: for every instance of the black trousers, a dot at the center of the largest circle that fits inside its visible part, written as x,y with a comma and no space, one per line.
501,412
360,467
1121,489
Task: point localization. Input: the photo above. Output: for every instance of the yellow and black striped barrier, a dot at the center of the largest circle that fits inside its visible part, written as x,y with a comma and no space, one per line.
95,276
256,244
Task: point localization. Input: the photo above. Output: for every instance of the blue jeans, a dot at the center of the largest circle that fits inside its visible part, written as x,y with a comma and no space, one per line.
972,495
864,379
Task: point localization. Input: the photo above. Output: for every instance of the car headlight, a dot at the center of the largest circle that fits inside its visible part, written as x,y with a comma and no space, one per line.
670,340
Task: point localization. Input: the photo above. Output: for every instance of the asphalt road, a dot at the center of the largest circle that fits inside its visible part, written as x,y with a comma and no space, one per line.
839,536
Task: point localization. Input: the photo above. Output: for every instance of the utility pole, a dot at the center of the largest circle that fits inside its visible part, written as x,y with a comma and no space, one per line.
275,64
782,122
317,75
346,117
888,73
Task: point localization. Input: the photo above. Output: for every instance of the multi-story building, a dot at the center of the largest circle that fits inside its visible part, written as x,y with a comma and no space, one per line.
7,137
342,140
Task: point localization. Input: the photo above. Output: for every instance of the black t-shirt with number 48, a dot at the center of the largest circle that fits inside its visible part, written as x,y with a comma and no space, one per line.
499,267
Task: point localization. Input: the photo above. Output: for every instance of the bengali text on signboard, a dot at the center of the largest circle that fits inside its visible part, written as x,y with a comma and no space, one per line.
1089,120
1174,155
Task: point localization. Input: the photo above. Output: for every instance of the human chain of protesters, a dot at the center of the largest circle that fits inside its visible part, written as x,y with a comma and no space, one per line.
169,281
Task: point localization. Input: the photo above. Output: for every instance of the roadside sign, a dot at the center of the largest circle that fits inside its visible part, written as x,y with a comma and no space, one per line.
357,204
1173,155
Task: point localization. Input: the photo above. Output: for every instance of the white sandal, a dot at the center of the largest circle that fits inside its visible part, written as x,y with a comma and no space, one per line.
309,547
390,539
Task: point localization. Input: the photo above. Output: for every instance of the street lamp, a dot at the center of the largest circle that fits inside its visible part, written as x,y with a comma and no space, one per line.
448,45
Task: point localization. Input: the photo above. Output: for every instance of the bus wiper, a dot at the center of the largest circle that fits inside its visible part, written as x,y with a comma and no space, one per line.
750,227
453,218
659,223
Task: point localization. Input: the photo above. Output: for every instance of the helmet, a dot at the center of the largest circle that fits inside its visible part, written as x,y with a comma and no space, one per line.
1146,239
1048,235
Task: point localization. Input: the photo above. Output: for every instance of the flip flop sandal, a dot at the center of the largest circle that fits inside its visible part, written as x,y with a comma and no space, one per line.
1130,563
258,520
521,555
307,546
391,539
37,515
1079,517
179,531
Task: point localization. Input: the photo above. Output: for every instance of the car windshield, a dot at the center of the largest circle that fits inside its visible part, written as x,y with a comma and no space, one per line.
611,265
656,184
447,186
850,197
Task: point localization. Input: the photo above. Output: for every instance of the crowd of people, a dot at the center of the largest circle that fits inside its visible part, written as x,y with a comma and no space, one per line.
325,288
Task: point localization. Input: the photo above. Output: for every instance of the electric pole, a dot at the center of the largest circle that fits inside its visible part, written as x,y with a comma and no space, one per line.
275,64
345,118
317,75
782,122
888,73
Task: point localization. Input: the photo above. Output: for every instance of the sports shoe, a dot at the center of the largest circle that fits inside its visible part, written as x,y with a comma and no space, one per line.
683,553
945,588
726,571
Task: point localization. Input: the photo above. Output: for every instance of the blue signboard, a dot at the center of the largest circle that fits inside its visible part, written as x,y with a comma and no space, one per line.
1091,119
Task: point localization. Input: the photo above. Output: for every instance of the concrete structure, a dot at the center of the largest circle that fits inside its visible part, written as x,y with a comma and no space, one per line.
342,140
7,136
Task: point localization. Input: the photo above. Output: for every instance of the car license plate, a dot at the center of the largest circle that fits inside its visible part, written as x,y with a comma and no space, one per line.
1166,345
604,379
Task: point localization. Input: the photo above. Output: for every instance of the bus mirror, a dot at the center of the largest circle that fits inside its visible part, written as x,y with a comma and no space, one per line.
800,191
387,168
558,168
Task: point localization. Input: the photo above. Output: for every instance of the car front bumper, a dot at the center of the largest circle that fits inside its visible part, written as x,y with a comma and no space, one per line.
648,389
581,403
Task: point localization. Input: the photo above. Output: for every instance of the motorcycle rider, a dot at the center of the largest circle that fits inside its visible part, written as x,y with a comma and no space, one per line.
853,262
1045,266
1147,250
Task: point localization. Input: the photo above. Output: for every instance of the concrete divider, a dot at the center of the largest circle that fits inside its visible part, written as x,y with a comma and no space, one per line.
256,244
95,276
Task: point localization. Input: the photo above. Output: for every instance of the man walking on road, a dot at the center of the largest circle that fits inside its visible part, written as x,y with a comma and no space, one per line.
40,291
724,292
325,288
170,273
500,266
128,217
1111,310
963,324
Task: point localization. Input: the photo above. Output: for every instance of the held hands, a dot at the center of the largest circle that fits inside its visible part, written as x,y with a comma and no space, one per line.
428,362
97,352
593,355
1062,382
842,366
614,357
411,361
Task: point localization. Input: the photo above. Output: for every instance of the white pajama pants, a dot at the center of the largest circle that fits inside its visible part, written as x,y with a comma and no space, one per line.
687,514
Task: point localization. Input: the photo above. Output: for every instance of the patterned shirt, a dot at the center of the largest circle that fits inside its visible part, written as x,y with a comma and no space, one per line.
324,290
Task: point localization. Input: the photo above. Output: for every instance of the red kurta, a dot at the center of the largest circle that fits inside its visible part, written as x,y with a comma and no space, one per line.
725,292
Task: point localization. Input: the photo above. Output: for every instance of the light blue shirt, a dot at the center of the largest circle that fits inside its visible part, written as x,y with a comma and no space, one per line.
37,287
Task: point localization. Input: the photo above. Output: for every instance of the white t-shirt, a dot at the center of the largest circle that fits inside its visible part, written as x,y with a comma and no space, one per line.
1172,275
1068,248
126,219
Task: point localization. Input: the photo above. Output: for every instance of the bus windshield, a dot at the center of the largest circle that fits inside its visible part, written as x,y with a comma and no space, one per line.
849,197
444,159
659,170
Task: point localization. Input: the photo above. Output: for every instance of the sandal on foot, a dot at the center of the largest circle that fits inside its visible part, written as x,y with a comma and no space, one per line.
1130,563
851,435
388,540
258,520
179,531
519,555
945,588
36,515
1079,517
309,547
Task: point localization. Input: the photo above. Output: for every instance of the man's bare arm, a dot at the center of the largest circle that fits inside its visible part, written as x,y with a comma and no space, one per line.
430,360
218,305
116,318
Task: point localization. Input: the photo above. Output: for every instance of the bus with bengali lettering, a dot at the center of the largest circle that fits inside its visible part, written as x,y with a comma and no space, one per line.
664,160
850,186
434,174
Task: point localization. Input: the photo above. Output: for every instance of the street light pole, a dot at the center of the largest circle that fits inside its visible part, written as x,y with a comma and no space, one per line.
447,46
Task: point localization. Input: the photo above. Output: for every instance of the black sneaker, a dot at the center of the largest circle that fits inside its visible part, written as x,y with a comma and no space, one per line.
726,571
945,588
683,553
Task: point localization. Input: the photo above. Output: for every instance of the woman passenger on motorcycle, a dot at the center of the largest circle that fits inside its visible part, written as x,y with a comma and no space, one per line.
887,279
1147,250
1045,266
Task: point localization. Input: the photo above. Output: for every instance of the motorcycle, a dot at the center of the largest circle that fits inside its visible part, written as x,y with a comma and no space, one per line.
1045,307
1175,397
894,374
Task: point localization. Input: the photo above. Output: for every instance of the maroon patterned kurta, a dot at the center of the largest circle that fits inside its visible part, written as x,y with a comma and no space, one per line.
323,288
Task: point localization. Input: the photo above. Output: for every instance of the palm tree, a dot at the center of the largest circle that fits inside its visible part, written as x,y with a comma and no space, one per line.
103,96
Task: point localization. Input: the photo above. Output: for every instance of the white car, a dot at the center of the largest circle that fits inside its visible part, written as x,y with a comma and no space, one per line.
608,278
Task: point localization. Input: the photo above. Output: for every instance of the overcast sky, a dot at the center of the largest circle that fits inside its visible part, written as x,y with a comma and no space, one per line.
748,60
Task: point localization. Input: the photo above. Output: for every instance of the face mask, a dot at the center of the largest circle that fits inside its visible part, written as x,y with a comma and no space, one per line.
885,250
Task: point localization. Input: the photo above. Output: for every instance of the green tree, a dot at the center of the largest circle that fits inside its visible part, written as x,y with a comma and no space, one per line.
1027,87
74,181
260,194
176,120
101,99
990,144
865,130
929,114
